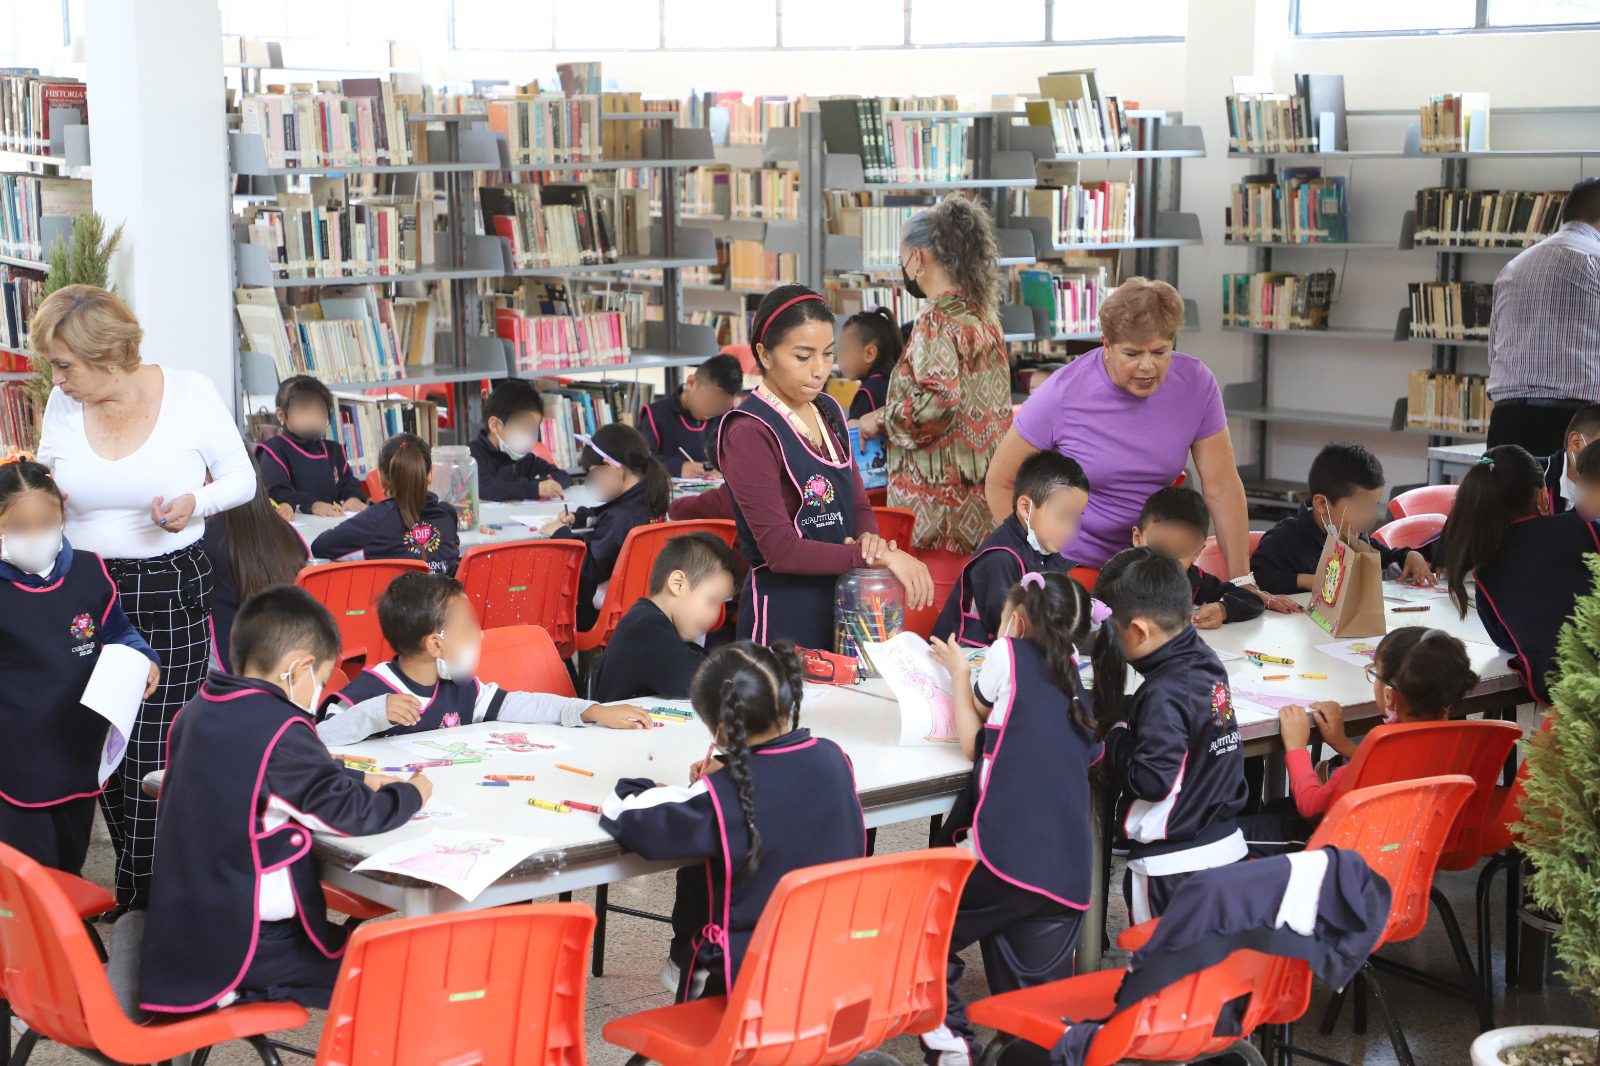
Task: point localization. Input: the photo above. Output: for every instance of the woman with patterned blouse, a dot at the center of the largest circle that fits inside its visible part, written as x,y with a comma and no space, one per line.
949,399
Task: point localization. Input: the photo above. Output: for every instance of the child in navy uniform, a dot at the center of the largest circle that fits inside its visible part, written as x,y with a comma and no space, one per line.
503,449
302,468
1345,492
236,909
432,683
869,347
777,799
1175,522
412,523
678,426
58,608
636,491
1176,755
1561,468
1027,810
251,548
659,641
1046,506
1528,563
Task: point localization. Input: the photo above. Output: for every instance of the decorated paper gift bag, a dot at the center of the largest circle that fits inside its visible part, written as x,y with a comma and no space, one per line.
1348,601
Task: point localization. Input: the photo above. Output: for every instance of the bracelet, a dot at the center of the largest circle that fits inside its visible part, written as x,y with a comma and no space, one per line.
1243,581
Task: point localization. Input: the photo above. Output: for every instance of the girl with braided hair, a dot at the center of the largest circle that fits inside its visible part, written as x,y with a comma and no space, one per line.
776,799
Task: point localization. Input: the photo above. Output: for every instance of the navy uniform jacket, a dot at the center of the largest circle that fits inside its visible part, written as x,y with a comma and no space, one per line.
501,477
806,811
225,599
51,631
233,747
872,394
1238,605
1294,547
302,472
603,529
972,613
380,533
651,658
1526,592
1179,760
668,426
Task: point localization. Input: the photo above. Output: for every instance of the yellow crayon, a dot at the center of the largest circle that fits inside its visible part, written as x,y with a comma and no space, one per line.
550,805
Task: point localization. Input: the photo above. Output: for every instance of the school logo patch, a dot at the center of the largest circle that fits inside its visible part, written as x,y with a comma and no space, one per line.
818,491
450,721
421,539
1221,706
82,628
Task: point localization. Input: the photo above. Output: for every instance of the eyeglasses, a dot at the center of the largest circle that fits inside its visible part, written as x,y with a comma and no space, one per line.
1373,675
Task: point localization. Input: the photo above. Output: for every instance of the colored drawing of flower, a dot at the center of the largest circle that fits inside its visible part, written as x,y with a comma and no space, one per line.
1221,706
82,627
818,491
450,721
421,539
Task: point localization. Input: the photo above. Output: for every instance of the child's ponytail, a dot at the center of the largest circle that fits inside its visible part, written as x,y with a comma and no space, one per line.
1059,612
624,446
406,463
878,327
1502,487
1110,676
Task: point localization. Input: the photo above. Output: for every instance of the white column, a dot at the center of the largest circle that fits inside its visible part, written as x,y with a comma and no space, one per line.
159,149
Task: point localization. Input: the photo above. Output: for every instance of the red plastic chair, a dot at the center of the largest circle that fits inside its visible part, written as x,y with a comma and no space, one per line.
878,497
350,592
630,580
523,659
54,980
945,568
374,486
1211,561
1085,576
336,682
1426,499
1412,531
505,985
846,956
526,582
896,524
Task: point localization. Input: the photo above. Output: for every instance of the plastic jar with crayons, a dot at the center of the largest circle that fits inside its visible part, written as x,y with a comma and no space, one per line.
455,481
869,606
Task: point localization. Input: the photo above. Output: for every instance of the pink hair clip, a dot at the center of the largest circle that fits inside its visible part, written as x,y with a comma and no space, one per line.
1098,611
1032,578
588,442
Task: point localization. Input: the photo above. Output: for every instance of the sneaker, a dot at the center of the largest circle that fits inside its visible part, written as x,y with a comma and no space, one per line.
946,1047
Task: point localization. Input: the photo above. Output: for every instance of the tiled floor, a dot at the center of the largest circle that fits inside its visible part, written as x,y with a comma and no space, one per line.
1440,1030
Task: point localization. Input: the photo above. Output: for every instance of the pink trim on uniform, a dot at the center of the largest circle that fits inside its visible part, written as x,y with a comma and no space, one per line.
844,448
110,582
275,458
647,413
965,599
1524,667
727,885
45,588
285,438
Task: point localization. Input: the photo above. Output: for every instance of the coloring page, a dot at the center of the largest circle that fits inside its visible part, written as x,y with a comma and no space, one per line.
1254,705
920,684
1358,652
455,752
465,863
521,743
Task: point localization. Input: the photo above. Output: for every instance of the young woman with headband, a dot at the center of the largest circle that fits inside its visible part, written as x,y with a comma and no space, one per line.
801,510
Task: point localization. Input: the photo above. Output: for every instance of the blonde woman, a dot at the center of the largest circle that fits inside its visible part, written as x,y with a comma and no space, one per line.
132,444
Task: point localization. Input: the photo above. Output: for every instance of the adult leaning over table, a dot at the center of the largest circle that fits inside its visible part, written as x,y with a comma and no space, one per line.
1132,412
798,501
131,445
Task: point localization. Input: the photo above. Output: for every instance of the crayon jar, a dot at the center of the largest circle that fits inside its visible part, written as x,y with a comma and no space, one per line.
455,481
869,605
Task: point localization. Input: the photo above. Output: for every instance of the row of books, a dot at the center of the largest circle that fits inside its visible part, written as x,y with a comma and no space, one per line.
556,342
26,200
729,327
1296,206
751,266
366,123
20,293
1456,122
1451,310
849,293
1098,212
26,103
734,120
928,149
348,334
857,126
762,193
1080,117
19,417
1456,402
566,223
1277,300
1486,218
1069,296
365,424
583,407
325,233
549,127
877,227
1262,120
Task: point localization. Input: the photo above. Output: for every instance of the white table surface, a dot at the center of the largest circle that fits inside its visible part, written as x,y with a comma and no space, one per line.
492,514
1452,456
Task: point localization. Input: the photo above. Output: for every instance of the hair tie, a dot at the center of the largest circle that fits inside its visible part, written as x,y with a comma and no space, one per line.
1032,578
762,339
1486,460
588,442
15,455
1098,611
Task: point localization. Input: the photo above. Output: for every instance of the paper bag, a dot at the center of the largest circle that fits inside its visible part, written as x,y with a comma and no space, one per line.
1348,598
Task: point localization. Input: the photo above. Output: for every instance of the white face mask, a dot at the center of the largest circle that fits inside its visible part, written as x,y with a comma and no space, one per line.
287,677
1033,541
32,553
516,445
462,668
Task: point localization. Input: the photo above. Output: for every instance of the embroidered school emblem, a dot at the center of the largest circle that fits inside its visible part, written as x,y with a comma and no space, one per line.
1333,575
818,491
450,721
421,539
82,628
1221,706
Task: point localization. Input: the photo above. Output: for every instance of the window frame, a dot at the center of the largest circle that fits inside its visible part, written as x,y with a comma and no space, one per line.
1480,24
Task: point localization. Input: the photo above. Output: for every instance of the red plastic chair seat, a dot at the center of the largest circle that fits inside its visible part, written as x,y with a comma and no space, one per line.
86,897
347,902
1211,561
1425,499
1035,1014
1412,531
523,659
670,1034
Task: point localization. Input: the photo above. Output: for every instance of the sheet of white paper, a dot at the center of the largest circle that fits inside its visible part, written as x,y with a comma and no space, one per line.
465,863
1357,651
1227,656
1256,705
114,692
436,810
920,684
439,745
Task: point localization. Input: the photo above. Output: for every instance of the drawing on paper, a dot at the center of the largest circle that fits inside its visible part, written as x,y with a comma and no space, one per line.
1358,653
464,862
518,742
449,860
458,752
920,684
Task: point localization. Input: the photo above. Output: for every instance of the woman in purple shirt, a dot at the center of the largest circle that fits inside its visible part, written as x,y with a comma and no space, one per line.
1131,413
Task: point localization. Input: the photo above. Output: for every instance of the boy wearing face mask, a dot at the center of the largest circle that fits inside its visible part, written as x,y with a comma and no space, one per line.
1046,505
503,449
57,610
247,783
431,682
1561,469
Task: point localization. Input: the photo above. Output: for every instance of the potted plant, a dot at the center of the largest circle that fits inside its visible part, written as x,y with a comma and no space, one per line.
84,259
1560,836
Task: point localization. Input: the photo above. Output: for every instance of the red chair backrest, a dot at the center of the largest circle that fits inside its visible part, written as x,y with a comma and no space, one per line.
375,490
1085,576
630,579
1426,499
945,568
1211,561
526,582
1400,830
350,592
1412,531
896,524
878,497
502,985
523,659
847,955
1505,809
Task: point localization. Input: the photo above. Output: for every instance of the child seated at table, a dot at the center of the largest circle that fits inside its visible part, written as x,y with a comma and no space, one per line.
1046,505
303,470
236,909
1528,564
1175,522
1176,753
635,489
1344,493
749,697
715,502
503,449
412,523
678,427
432,683
659,642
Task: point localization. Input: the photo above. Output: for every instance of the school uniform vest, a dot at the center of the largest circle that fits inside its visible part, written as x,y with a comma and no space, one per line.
798,607
446,705
873,391
315,467
668,426
999,563
49,641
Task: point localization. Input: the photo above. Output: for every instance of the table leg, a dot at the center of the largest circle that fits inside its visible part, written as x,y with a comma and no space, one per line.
1435,471
1092,937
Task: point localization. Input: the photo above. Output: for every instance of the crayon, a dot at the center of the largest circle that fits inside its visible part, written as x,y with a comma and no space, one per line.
1316,677
1408,610
1264,657
1275,677
672,711
391,769
431,762
508,777
494,784
550,805
574,769
575,805
685,454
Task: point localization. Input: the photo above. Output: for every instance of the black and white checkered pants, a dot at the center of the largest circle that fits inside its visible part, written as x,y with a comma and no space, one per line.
168,600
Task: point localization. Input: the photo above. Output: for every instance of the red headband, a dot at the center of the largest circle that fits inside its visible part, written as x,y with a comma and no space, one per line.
781,309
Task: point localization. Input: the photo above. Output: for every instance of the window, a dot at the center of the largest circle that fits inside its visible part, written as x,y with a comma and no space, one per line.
492,24
962,22
592,24
1542,12
844,23
1386,16
720,24
1076,21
